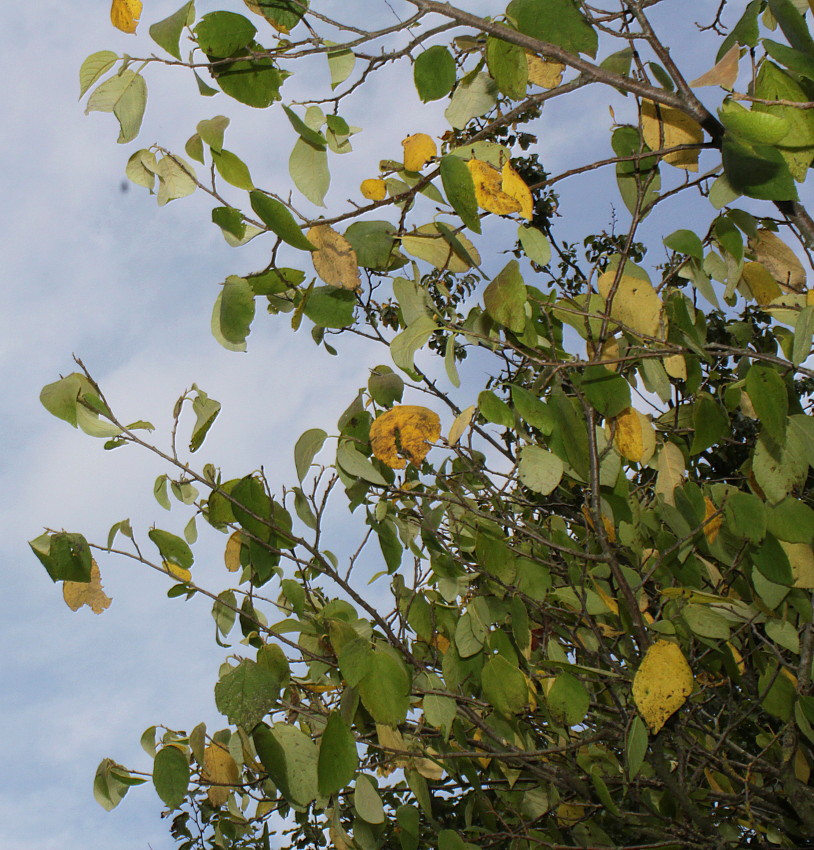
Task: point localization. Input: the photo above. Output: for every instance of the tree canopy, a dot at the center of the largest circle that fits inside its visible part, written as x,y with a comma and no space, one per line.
575,610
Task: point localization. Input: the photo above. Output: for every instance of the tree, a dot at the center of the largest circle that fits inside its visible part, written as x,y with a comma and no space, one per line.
600,631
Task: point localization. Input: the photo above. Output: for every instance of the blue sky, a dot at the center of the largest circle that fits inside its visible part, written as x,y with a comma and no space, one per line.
92,270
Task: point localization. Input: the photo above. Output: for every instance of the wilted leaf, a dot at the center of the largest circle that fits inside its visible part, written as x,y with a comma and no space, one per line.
635,437
665,127
500,193
724,73
231,555
662,683
419,149
779,259
220,769
125,14
635,304
514,186
404,431
374,189
712,523
460,425
79,593
544,73
334,260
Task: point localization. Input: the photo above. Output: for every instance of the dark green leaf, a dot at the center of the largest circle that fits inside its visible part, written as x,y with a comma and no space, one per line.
66,557
385,689
338,758
290,759
773,562
255,82
167,33
558,22
757,171
434,73
305,132
791,520
710,422
172,548
330,307
277,217
504,686
171,776
460,190
374,245
505,298
767,392
206,411
222,34
236,309
685,242
607,391
508,67
230,220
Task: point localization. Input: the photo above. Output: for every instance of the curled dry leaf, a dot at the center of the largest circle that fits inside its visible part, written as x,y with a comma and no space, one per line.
665,127
374,189
544,73
502,193
634,437
635,304
459,426
419,149
779,259
125,14
662,683
79,593
334,260
405,431
724,73
220,769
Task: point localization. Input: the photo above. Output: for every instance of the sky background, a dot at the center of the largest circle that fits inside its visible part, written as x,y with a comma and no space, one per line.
90,269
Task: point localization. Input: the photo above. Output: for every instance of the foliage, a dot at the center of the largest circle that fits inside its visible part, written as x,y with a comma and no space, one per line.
600,631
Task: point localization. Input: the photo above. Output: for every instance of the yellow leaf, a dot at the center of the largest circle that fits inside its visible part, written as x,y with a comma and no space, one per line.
801,558
671,471
736,657
79,593
609,351
569,814
676,366
746,406
514,186
440,642
124,14
543,73
760,282
607,522
334,260
634,437
460,425
220,769
427,243
666,127
175,571
419,149
231,557
374,189
404,431
724,73
488,189
635,303
779,259
428,768
711,526
661,684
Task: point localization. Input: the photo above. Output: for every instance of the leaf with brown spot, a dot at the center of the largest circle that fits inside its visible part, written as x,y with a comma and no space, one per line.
405,431
79,593
489,189
220,769
666,127
722,74
334,260
514,186
662,683
125,14
544,73
419,149
779,259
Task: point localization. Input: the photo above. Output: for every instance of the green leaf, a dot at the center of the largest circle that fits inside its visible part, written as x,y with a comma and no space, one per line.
460,190
355,660
793,59
308,166
125,95
534,411
206,411
211,131
558,22
434,73
338,758
306,448
705,622
793,25
340,65
229,220
571,429
767,392
160,492
405,345
778,470
504,686
791,520
535,244
539,469
283,15
275,281
508,67
167,33
568,700
94,67
802,336
252,506
255,82
108,789
472,98
746,516
505,298
760,127
246,694
236,309
176,179
385,386
222,34
757,171
290,759
772,561
66,557
494,409
277,217
374,245
357,465
366,800
171,776
685,242
710,422
313,137
330,306
172,548
607,391
141,169
232,169
385,689
61,398
635,747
